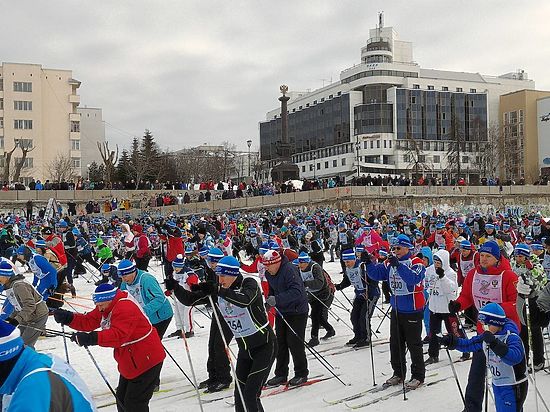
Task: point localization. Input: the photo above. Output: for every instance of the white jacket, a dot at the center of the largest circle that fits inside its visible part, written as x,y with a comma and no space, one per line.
442,290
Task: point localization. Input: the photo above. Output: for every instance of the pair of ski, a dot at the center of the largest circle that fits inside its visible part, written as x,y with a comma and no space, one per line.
365,392
346,349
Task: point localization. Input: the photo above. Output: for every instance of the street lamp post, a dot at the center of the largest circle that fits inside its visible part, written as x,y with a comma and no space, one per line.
314,166
357,146
249,143
88,174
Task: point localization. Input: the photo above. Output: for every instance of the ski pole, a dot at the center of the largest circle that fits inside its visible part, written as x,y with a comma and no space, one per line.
118,401
456,379
341,304
334,315
369,330
65,343
399,345
312,351
75,304
178,316
205,314
382,321
487,380
237,382
51,331
178,365
349,301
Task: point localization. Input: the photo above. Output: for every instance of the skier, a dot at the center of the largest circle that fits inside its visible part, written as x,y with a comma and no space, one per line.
54,385
404,274
137,347
319,295
186,279
500,341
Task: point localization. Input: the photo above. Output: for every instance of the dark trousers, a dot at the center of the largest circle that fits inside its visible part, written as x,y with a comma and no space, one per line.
217,364
537,321
476,383
168,269
253,367
288,341
386,291
470,316
406,328
319,315
143,262
135,394
361,313
88,258
71,264
162,326
451,324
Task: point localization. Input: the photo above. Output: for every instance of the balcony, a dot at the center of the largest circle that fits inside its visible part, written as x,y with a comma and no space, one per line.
74,98
74,135
74,117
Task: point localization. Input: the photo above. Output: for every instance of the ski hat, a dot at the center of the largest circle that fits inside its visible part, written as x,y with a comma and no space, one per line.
11,343
62,223
105,268
93,239
359,248
492,314
522,249
489,226
6,269
348,254
171,223
215,254
125,267
271,257
303,257
263,248
295,262
537,246
491,247
189,249
383,253
252,231
203,251
75,231
40,243
104,292
20,250
228,266
178,262
466,245
440,226
403,241
274,245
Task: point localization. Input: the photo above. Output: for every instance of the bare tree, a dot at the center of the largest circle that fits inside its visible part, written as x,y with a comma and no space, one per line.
7,162
109,157
489,153
60,169
25,147
417,158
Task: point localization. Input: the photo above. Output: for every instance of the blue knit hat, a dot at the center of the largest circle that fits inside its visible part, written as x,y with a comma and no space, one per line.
440,226
203,251
215,254
489,226
264,248
295,262
466,245
20,250
6,269
104,293
303,257
178,262
274,245
492,314
11,343
189,249
383,253
125,267
522,249
105,268
228,266
40,243
359,248
537,246
62,223
490,247
348,254
403,241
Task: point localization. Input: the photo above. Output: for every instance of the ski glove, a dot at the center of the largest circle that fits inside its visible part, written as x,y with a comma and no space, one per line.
366,257
523,288
208,288
84,338
63,316
498,347
454,307
170,283
270,302
394,261
12,321
449,341
440,272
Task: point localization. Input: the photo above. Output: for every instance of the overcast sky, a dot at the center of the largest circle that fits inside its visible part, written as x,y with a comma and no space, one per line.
208,71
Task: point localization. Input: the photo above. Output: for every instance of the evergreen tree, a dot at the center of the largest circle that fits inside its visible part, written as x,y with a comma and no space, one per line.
96,172
151,156
123,167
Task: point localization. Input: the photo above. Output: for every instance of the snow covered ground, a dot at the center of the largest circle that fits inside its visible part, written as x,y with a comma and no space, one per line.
353,367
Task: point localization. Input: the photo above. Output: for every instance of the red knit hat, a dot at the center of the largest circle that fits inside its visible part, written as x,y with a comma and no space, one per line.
271,257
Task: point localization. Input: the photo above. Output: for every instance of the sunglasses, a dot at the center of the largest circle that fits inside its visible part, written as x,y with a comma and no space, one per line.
396,248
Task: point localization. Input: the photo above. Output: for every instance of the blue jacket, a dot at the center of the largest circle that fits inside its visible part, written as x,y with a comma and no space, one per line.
412,275
34,392
45,275
151,297
361,283
289,290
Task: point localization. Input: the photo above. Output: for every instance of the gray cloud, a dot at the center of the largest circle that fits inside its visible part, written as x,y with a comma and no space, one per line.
208,71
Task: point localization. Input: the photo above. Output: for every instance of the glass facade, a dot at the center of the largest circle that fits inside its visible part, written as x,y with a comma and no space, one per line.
373,118
369,73
441,115
321,125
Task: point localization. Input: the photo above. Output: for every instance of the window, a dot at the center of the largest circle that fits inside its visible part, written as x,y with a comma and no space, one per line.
413,99
22,105
430,87
1,142
75,161
437,159
303,169
1,85
326,165
385,144
445,88
416,86
335,163
1,104
1,122
343,161
473,91
506,118
372,144
22,124
28,163
521,115
26,143
75,144
311,167
390,143
378,144
406,158
318,166
459,89
22,87
443,116
365,144
443,130
465,159
75,126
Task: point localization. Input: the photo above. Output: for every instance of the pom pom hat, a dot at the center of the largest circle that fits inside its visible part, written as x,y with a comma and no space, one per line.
104,293
271,257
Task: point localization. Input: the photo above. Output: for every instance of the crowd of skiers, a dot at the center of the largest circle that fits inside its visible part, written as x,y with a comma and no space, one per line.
490,270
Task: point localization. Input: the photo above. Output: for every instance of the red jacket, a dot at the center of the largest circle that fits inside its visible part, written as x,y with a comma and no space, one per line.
55,243
447,236
509,292
142,245
128,324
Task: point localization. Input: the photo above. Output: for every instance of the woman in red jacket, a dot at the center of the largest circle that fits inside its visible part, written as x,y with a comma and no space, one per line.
492,280
137,347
